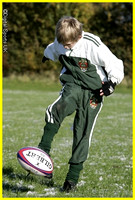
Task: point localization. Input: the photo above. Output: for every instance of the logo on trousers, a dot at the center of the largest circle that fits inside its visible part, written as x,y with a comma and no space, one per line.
93,102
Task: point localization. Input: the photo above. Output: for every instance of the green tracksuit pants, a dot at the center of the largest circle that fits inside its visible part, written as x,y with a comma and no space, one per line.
87,105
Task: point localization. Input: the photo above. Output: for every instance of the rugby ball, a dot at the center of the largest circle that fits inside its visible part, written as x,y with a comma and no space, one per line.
35,160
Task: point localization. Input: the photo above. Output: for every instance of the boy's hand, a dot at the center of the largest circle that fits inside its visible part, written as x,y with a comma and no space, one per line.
107,88
44,59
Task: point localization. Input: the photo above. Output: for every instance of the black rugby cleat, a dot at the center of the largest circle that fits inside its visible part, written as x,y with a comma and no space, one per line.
68,186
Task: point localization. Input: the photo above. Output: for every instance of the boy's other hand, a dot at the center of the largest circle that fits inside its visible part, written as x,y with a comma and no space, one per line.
107,88
44,59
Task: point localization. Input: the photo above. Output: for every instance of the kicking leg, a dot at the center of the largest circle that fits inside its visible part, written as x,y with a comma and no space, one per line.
65,105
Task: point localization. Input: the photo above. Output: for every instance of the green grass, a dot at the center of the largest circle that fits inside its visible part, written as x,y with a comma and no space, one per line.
108,170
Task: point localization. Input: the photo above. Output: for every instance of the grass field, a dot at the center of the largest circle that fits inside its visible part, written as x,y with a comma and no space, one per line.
108,170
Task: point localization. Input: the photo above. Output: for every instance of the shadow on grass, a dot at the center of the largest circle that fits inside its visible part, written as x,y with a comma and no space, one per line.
15,188
8,173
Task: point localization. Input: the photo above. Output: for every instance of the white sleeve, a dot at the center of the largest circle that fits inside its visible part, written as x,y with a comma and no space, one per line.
51,51
114,67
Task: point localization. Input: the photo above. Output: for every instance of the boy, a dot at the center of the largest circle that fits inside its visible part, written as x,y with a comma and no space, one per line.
89,71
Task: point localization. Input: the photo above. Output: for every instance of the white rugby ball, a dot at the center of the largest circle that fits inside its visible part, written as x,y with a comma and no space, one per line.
35,160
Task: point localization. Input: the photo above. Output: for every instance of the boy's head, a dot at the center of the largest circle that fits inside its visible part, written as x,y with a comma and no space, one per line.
68,31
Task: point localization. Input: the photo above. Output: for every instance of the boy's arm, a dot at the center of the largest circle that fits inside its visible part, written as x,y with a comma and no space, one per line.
52,51
113,66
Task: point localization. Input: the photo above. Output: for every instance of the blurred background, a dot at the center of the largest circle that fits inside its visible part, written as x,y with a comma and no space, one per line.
31,27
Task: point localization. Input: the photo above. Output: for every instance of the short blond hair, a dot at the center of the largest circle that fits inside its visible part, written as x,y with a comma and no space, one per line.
68,29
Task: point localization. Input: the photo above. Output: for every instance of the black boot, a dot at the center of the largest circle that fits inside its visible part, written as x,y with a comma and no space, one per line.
48,176
68,186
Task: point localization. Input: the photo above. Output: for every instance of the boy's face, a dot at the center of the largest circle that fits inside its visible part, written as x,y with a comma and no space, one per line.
69,45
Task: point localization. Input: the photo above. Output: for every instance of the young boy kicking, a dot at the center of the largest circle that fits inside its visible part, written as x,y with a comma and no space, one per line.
89,71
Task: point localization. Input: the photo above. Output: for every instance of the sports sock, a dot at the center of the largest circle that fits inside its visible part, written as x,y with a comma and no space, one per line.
74,172
49,131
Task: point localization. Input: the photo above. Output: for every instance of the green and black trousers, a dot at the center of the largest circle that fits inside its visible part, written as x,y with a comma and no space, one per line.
87,105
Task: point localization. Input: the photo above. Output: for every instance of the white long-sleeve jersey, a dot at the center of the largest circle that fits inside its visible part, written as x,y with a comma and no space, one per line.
89,51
